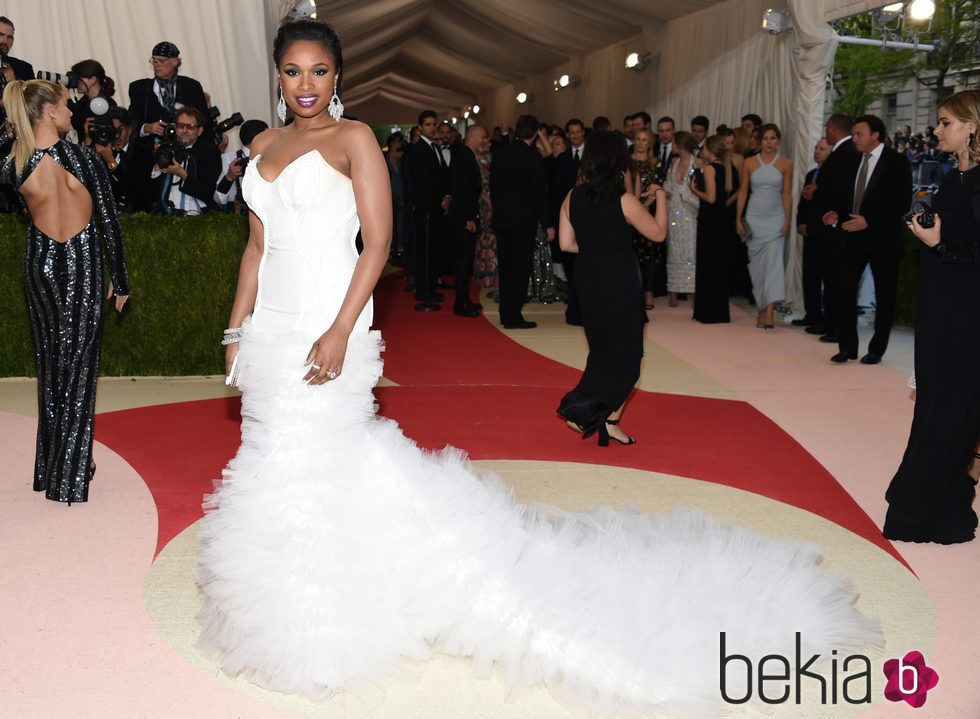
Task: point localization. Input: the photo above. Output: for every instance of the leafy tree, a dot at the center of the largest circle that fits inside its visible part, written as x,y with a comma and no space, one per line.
955,31
860,71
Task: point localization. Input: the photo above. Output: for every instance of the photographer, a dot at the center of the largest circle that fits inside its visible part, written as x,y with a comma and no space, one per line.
186,168
92,83
127,162
22,69
228,194
155,102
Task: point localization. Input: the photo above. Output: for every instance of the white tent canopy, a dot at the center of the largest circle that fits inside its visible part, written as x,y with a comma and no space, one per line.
401,56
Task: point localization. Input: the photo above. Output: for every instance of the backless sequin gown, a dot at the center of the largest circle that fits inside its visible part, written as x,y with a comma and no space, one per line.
66,297
334,549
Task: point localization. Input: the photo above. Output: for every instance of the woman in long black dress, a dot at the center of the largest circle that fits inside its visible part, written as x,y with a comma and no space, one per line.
712,257
930,498
67,192
597,222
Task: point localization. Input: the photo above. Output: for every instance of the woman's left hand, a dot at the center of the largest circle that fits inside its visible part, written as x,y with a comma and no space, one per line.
931,236
784,230
326,357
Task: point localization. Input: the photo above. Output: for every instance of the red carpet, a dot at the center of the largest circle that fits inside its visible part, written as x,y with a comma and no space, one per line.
466,384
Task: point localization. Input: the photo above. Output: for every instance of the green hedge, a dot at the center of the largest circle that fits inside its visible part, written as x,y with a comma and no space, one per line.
183,273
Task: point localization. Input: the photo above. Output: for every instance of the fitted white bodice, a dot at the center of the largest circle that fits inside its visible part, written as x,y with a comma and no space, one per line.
310,221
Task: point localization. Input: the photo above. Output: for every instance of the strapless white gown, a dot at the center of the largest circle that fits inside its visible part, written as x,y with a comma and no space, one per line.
334,548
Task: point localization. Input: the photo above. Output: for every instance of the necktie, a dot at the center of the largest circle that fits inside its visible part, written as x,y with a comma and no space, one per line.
577,154
861,182
168,94
438,152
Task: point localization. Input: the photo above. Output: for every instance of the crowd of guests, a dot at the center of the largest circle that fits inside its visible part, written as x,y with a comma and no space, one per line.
166,153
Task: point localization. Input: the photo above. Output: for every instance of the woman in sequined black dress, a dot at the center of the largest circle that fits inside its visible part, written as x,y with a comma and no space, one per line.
67,193
931,496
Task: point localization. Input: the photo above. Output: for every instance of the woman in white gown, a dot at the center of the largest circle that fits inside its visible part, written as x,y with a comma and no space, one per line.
334,549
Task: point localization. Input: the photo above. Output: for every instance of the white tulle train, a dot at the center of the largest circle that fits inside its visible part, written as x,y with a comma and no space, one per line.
334,548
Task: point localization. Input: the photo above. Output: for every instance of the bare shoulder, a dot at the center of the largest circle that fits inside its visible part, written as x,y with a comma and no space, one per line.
264,140
786,164
357,133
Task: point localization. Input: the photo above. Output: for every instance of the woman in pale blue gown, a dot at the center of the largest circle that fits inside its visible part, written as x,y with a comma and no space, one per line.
765,223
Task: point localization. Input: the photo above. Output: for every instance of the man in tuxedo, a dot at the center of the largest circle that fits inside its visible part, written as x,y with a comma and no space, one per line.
629,129
427,191
665,141
128,168
805,215
563,178
699,129
519,195
22,70
155,101
881,193
831,194
575,132
466,185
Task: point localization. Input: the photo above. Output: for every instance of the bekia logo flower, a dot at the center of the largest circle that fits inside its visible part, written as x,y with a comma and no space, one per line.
909,679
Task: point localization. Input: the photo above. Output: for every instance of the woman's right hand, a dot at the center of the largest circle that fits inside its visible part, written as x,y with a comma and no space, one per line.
931,236
739,227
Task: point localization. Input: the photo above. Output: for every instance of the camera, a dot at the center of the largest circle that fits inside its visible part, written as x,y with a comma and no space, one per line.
927,216
103,131
170,149
220,128
241,159
69,79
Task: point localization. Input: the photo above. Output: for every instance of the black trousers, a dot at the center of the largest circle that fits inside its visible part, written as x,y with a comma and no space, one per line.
429,253
858,252
831,268
464,246
515,248
812,294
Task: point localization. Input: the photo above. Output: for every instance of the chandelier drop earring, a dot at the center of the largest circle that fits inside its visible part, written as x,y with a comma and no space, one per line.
335,106
281,106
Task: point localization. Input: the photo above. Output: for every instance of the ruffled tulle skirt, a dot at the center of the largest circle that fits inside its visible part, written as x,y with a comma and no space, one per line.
334,549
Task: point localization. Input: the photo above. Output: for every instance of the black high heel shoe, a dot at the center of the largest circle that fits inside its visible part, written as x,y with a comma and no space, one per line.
605,433
91,473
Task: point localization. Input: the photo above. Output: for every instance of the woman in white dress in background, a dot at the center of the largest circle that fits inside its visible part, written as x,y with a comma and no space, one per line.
333,549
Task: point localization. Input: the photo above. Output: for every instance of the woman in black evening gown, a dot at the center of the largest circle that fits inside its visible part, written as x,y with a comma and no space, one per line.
67,192
930,498
712,256
597,221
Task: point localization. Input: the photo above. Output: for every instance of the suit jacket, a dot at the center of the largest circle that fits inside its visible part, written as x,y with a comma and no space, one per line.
519,189
22,70
563,174
887,198
426,180
203,168
805,210
466,185
146,107
835,185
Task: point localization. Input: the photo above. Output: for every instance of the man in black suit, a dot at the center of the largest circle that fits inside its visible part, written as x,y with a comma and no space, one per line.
881,193
128,167
427,191
664,149
466,184
564,175
22,70
519,195
155,101
831,194
186,188
805,215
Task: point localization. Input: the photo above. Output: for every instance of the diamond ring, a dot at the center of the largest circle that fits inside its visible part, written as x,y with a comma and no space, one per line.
332,375
316,367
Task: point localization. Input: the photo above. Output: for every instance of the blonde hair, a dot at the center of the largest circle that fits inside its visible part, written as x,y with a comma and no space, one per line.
24,102
965,107
741,141
718,146
651,158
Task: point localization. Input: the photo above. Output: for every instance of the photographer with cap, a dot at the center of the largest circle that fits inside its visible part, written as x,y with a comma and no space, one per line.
228,194
127,162
155,101
186,168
